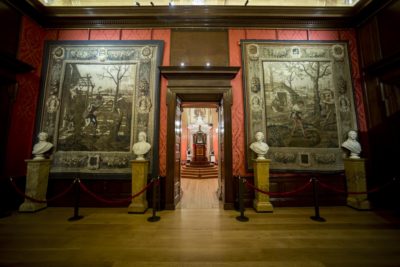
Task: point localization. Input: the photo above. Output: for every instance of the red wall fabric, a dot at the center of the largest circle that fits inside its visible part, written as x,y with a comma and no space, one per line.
105,34
65,35
165,35
19,145
292,34
350,36
31,51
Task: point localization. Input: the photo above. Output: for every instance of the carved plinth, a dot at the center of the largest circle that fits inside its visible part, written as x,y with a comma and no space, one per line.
37,178
261,201
140,170
356,182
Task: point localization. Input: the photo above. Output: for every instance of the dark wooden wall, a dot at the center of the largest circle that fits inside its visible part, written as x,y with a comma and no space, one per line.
9,66
197,47
380,60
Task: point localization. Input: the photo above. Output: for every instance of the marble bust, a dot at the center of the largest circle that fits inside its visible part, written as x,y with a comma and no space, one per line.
259,146
142,147
41,148
352,145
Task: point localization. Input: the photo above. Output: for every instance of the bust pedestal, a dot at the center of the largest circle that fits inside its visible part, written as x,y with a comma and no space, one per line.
37,178
140,170
261,201
356,182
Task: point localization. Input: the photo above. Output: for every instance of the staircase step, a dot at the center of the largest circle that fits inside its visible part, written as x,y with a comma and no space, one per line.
206,172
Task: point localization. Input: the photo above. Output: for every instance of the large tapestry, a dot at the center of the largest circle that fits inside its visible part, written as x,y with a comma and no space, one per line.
96,97
299,94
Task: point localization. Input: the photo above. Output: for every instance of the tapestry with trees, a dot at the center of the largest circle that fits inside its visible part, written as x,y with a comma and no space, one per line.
299,94
96,97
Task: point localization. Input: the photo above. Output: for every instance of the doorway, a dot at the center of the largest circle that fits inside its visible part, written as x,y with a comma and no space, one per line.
200,173
198,85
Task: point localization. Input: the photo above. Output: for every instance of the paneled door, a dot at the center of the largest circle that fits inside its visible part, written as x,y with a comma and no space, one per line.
177,154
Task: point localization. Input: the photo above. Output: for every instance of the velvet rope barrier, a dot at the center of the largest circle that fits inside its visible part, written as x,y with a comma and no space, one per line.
343,191
113,201
38,200
279,193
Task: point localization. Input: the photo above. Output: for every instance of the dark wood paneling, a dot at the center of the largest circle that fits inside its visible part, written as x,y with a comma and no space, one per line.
380,55
368,36
106,189
389,21
197,47
286,182
10,21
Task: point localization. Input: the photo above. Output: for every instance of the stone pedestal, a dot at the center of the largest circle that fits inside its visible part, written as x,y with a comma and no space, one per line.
36,184
140,170
261,201
356,182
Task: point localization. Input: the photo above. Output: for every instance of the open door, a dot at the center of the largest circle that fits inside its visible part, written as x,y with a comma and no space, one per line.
221,175
177,156
173,183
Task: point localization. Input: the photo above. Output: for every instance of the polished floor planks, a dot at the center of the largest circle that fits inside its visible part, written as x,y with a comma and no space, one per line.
199,194
200,237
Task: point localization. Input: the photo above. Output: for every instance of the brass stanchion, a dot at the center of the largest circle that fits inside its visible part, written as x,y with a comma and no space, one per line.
241,218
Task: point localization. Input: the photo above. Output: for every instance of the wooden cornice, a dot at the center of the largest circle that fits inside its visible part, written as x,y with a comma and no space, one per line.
199,72
197,16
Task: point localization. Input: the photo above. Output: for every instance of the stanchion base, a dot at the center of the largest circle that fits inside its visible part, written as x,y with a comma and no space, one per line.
317,219
153,219
242,218
75,218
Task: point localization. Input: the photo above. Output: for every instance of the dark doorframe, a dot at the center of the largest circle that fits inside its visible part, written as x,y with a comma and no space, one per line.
199,84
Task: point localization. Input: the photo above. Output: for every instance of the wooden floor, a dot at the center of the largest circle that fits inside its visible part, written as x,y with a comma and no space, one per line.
199,194
200,237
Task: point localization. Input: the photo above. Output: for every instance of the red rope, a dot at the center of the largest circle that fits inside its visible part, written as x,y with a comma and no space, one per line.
114,201
373,190
38,200
279,193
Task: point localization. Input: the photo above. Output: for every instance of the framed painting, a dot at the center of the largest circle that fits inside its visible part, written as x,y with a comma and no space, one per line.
300,95
96,96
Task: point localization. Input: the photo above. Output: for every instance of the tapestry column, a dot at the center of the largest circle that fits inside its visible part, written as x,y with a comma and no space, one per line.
261,201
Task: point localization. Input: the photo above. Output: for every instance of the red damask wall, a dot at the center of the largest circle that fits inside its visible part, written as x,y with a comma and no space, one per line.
31,51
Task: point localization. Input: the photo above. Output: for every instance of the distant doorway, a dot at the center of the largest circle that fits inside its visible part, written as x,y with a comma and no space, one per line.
200,173
198,85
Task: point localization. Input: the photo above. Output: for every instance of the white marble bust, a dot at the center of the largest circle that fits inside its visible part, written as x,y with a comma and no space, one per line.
259,147
142,147
42,147
352,145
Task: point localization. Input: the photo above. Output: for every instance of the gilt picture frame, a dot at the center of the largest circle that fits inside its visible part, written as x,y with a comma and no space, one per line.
96,96
300,95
